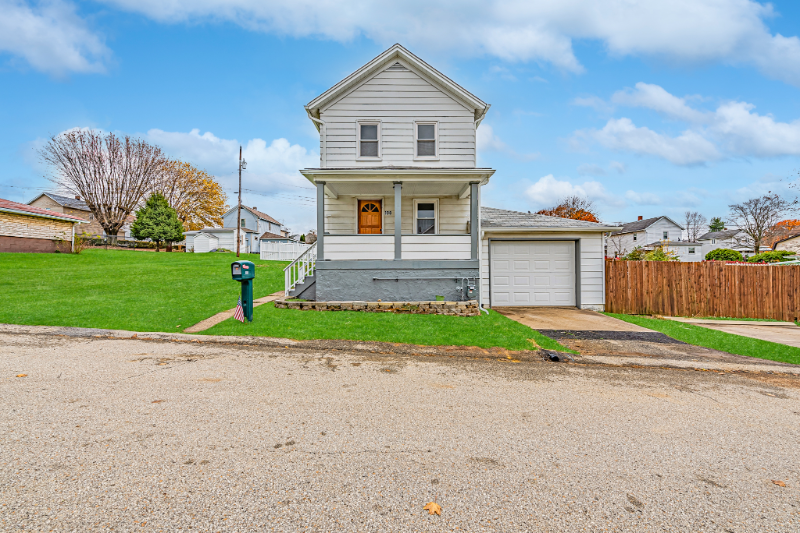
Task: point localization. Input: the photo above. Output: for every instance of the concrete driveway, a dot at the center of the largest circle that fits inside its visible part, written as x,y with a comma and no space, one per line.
781,332
565,318
107,433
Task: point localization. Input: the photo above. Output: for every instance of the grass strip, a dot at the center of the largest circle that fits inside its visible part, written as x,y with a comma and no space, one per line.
484,331
716,340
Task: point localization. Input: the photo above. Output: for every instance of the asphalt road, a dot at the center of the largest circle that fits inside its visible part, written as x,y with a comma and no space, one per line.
144,435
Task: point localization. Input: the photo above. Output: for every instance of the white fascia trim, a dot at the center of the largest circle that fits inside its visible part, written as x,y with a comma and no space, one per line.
28,213
601,229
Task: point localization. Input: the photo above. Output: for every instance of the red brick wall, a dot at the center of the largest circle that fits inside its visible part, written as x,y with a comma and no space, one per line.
23,244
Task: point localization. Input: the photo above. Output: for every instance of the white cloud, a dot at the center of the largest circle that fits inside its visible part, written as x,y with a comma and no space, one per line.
619,167
489,142
732,130
271,181
656,98
591,169
680,31
548,191
595,102
689,148
50,37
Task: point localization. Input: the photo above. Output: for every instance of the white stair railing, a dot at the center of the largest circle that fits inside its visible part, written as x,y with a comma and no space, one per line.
301,267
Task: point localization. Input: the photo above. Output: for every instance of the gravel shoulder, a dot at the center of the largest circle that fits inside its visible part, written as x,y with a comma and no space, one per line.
160,434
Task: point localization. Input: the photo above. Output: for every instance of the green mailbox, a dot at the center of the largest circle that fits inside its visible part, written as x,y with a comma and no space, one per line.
244,272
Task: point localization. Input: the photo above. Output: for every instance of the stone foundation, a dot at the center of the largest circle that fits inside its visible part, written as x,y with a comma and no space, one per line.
468,308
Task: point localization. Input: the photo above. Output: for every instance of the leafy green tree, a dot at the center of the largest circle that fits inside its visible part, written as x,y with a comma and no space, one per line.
303,237
659,254
637,254
724,254
716,224
157,221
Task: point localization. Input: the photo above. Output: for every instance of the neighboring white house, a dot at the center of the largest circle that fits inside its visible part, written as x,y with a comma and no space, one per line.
399,214
223,238
733,239
255,220
790,243
645,233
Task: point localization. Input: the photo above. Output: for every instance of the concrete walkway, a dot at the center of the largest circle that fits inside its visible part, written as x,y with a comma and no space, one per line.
781,332
210,322
566,318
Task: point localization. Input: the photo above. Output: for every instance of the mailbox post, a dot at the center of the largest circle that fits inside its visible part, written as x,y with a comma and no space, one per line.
244,272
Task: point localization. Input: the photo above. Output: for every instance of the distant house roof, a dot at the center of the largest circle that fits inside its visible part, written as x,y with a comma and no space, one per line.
24,209
257,213
725,234
641,225
267,236
503,218
670,243
66,201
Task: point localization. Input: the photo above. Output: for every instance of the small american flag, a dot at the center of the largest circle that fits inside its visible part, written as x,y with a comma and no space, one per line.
238,314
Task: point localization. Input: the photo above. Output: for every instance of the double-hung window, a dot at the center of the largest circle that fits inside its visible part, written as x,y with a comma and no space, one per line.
425,217
666,235
426,140
369,140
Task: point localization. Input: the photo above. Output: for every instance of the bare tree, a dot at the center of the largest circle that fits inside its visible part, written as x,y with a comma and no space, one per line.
112,174
695,223
616,246
757,216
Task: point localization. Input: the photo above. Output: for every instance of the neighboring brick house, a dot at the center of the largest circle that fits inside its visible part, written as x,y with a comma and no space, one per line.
75,207
24,228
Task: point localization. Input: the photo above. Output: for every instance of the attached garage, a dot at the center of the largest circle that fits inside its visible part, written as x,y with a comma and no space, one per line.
530,260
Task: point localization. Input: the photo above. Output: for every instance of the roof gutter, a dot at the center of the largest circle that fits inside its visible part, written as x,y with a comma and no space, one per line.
28,213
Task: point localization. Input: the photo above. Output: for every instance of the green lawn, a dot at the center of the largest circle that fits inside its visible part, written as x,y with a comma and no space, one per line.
717,340
120,289
483,331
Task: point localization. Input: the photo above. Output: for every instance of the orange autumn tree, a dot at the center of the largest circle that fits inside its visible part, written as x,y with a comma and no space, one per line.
789,224
573,207
194,194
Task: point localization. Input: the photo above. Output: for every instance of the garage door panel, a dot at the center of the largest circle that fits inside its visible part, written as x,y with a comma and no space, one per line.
533,273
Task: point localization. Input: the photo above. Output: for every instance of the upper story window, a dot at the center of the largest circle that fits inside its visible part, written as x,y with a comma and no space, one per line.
713,241
666,235
691,250
369,140
243,223
634,237
426,137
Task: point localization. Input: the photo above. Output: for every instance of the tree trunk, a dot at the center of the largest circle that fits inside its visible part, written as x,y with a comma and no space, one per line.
169,247
158,244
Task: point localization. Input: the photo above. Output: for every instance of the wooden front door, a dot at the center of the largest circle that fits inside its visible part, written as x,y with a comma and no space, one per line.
369,217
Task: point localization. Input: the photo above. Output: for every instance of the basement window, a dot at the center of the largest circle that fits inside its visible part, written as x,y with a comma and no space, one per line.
426,138
369,144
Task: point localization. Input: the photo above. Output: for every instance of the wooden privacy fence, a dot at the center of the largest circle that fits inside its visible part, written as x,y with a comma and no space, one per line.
710,288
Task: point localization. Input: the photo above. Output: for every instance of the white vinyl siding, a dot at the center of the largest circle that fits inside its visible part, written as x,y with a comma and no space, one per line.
341,215
436,247
359,247
398,99
590,273
205,243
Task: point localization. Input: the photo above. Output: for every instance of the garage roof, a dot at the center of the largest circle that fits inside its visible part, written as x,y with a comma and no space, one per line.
492,218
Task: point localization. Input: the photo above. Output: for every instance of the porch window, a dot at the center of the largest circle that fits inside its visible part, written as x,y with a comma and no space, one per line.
369,139
425,217
426,134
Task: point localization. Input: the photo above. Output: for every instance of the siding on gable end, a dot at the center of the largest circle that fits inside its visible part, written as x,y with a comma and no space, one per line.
655,231
398,98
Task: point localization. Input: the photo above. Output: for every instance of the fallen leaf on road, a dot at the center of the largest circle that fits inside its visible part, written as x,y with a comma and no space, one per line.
157,401
22,375
433,508
779,483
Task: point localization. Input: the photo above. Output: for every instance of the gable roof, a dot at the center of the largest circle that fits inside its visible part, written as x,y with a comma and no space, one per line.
791,236
257,213
641,225
24,209
272,236
65,201
504,219
724,234
391,58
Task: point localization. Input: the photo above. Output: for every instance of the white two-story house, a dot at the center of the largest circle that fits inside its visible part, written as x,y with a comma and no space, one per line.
399,214
649,233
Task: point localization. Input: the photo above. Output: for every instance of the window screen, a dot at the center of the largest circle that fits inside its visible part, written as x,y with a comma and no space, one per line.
369,140
426,218
426,140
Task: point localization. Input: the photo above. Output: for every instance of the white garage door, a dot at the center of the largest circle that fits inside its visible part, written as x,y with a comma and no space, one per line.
532,273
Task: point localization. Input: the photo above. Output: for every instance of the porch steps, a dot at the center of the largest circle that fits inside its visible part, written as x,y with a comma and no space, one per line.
306,289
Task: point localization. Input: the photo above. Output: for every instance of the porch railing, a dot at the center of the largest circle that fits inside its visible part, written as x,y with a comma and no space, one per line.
301,267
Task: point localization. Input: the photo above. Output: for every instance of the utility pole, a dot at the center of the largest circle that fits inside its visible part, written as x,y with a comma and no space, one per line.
242,164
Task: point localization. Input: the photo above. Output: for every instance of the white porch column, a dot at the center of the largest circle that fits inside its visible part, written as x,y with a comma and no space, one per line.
398,239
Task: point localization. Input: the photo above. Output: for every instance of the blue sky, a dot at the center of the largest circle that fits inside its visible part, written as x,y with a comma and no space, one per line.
647,108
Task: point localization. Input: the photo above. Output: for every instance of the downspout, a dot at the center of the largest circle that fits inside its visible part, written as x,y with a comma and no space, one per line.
320,125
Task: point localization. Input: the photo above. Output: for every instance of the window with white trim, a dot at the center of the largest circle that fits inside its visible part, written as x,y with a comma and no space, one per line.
369,140
666,235
426,140
691,250
425,216
634,237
